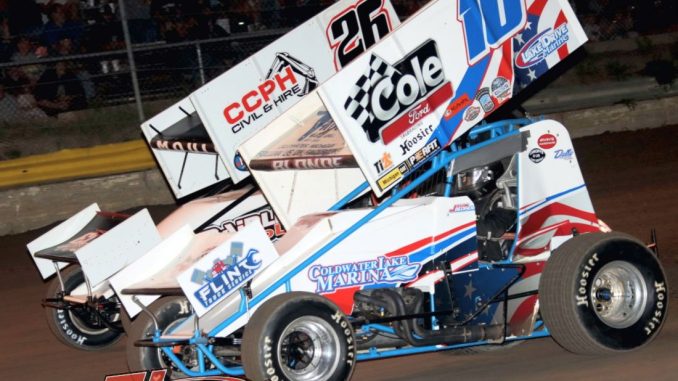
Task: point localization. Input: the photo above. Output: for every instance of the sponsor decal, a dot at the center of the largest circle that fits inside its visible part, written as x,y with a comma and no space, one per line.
309,163
414,137
567,154
424,153
457,105
226,274
537,155
463,208
581,298
386,162
547,141
287,78
265,216
485,100
501,88
357,28
392,176
239,163
541,46
173,145
162,375
472,113
391,270
660,304
383,97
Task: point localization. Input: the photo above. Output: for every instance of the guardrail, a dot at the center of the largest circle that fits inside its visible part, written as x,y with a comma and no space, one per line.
76,163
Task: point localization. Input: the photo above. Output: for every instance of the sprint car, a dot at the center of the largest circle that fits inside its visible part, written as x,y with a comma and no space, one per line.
474,254
409,227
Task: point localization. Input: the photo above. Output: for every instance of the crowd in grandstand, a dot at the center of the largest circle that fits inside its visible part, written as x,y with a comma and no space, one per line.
35,30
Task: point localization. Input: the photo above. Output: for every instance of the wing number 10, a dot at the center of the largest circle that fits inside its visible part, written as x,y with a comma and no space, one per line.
489,23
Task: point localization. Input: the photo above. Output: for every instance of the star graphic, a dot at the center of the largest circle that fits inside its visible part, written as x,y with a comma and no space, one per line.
519,38
469,290
528,26
531,74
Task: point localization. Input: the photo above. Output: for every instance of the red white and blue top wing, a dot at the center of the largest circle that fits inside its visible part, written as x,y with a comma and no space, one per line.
440,73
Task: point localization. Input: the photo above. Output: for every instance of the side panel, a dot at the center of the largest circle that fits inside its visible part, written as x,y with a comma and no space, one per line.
120,246
57,235
552,194
187,169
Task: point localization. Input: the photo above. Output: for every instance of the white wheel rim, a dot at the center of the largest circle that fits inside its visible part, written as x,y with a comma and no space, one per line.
619,294
308,350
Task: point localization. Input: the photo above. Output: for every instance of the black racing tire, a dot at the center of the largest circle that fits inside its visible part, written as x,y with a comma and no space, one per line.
168,311
307,324
76,328
603,293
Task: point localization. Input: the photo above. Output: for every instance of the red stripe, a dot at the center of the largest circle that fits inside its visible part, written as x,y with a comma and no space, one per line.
524,311
418,244
536,220
563,51
537,7
506,66
343,298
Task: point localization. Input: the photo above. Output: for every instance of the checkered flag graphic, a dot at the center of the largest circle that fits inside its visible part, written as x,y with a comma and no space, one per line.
358,102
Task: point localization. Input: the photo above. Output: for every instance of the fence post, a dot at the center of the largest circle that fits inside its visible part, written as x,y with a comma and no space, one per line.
130,58
201,66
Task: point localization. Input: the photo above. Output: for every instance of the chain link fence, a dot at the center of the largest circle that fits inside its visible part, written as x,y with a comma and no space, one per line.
66,78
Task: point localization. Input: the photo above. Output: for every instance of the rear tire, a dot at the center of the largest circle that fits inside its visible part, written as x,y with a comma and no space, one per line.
603,293
298,336
76,328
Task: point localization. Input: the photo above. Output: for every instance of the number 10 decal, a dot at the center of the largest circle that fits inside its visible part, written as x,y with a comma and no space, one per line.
489,23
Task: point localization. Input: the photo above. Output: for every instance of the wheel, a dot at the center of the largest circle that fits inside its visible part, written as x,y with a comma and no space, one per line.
169,312
298,336
78,327
603,293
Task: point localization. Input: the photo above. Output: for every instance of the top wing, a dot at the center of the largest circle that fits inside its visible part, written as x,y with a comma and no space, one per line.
441,72
243,100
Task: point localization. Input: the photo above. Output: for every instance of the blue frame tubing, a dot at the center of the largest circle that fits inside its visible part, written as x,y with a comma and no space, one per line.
498,130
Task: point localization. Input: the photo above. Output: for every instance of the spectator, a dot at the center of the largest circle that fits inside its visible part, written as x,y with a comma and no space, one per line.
59,27
16,81
106,34
591,27
9,106
17,85
59,90
6,47
141,26
24,17
25,53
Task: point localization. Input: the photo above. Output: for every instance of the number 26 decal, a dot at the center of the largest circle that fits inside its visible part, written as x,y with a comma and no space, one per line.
356,29
489,23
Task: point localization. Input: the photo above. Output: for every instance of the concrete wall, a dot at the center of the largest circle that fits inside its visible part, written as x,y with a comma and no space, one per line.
32,207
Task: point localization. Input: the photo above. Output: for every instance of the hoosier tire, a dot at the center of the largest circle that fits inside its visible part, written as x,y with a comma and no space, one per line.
298,336
76,328
603,293
169,311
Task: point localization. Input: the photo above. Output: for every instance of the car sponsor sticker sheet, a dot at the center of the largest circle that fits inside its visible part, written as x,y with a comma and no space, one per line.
439,74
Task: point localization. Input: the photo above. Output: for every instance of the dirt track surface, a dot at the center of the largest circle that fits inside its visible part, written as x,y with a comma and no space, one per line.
633,181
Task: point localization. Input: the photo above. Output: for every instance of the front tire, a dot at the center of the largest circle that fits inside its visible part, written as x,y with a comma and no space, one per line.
77,327
298,336
169,312
603,293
